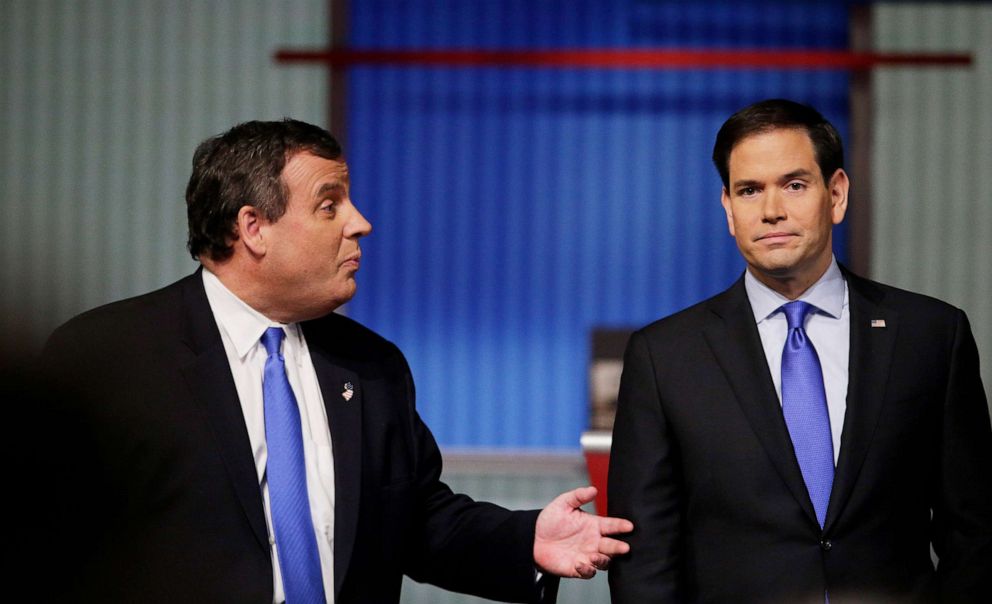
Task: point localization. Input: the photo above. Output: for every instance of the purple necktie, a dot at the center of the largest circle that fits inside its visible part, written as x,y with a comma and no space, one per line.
286,473
804,404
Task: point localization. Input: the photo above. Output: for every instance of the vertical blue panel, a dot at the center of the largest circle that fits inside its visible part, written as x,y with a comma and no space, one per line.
515,209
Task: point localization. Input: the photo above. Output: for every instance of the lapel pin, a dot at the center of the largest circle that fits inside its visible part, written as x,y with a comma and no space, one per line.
349,391
878,322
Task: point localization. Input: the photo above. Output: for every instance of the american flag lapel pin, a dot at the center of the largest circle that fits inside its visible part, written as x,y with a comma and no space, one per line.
878,322
349,391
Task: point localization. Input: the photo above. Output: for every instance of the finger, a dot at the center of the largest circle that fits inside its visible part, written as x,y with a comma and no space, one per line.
613,547
600,562
612,526
579,497
585,571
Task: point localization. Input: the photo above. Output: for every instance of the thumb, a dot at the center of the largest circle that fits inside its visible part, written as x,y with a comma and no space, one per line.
579,497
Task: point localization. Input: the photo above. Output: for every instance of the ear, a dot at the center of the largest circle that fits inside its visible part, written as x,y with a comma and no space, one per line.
725,202
249,230
838,187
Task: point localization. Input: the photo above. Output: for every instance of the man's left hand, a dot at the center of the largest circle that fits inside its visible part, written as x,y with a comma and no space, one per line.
571,543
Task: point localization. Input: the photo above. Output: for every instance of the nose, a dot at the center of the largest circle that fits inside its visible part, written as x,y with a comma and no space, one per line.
357,225
772,208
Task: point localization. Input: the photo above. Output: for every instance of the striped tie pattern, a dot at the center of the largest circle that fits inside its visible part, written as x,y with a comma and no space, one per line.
285,470
804,404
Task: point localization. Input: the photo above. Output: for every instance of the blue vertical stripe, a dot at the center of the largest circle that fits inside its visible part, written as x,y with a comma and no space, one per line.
516,210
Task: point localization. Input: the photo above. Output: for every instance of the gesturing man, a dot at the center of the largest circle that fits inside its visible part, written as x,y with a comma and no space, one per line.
240,442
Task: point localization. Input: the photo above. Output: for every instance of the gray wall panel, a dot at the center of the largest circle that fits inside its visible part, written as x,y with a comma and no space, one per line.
102,104
516,481
932,155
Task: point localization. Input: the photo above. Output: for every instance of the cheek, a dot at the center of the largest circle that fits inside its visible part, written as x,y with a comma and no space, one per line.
734,224
744,227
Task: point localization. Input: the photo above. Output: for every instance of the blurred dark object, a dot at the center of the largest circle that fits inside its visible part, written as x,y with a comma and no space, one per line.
605,367
37,535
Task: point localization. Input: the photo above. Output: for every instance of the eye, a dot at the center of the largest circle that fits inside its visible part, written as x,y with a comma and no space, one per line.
329,206
796,186
747,191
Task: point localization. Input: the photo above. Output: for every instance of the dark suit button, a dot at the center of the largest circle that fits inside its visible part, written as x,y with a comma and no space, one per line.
826,545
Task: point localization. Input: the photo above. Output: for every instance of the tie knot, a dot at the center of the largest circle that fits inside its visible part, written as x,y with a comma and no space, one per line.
272,338
796,312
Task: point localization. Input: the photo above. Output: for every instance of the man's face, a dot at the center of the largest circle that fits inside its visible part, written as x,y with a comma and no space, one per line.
312,251
779,209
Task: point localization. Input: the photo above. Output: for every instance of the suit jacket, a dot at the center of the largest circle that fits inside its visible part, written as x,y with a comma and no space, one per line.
160,487
703,464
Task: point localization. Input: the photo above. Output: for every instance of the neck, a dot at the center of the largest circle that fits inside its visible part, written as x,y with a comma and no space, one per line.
791,286
247,289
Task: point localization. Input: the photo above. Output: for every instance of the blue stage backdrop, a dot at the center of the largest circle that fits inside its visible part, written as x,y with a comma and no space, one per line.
514,210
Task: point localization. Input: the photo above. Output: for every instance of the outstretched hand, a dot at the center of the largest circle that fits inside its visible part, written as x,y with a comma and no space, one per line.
571,543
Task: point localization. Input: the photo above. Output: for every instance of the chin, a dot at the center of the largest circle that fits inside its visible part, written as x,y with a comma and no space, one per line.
775,271
340,297
776,264
323,308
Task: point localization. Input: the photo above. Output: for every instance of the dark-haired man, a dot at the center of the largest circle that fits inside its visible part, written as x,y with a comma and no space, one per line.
806,435
237,441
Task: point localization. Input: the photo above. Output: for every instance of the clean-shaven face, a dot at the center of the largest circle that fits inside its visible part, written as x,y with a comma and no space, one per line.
780,210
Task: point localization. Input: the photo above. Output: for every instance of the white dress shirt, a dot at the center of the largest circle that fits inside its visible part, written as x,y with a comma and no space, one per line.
241,328
828,328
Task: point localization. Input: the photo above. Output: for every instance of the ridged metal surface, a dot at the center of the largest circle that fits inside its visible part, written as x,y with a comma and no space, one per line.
517,482
101,105
932,225
515,210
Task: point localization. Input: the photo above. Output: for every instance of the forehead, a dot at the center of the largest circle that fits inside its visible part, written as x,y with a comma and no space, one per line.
307,174
786,149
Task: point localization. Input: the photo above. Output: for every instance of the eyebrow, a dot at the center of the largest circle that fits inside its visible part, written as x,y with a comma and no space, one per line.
330,187
800,173
746,183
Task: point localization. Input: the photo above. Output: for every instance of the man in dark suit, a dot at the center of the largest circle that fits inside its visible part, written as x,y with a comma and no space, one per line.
230,439
806,435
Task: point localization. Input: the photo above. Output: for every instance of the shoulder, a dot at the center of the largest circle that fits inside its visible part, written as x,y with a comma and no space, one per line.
133,318
123,348
345,337
924,323
689,322
907,303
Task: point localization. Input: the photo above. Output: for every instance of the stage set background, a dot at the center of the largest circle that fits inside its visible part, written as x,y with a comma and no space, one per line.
520,208
514,209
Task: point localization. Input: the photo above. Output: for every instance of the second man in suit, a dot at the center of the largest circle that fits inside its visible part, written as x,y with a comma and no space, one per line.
806,435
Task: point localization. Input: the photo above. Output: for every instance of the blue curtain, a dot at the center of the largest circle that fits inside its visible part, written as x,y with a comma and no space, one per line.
517,209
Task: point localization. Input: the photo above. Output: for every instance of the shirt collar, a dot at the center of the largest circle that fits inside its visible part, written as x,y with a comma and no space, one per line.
827,294
243,324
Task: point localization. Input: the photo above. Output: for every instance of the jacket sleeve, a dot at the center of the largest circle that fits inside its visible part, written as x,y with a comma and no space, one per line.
464,545
645,486
962,506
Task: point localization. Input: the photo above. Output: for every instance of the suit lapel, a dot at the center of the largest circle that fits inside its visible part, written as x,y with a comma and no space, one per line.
209,378
345,419
868,370
733,337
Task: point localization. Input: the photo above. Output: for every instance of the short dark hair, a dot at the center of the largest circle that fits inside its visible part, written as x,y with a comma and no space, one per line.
240,167
774,114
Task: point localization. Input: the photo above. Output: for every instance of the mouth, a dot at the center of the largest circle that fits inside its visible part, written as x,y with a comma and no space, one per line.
775,237
352,262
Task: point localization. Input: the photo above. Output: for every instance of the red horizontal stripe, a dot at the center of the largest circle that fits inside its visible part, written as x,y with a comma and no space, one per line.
624,59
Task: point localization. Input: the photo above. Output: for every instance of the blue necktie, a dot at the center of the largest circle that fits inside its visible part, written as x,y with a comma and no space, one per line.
286,473
804,404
